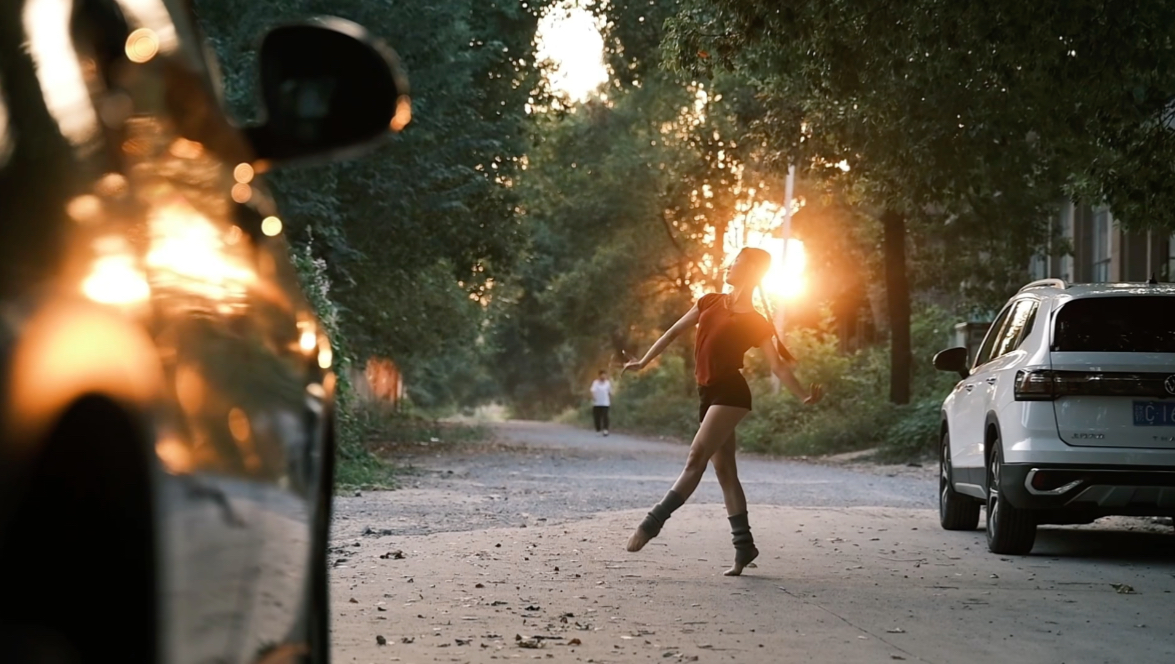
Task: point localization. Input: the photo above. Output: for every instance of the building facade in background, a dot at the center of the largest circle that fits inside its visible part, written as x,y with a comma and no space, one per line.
1100,251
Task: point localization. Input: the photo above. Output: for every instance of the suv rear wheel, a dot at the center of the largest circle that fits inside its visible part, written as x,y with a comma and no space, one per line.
1009,530
955,511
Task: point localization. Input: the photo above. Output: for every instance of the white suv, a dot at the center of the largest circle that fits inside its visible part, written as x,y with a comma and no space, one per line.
1066,415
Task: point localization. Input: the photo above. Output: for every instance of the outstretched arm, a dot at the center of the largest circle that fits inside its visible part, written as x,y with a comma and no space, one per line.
787,377
687,321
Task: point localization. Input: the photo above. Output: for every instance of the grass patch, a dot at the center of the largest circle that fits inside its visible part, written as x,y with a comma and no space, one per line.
379,434
364,471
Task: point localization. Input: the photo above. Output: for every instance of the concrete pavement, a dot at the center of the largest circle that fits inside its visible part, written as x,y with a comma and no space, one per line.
833,584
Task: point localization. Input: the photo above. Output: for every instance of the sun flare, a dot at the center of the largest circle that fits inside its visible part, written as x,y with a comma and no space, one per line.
569,36
758,227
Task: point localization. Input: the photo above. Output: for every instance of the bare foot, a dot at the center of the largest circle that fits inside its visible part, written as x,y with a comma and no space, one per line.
739,565
638,540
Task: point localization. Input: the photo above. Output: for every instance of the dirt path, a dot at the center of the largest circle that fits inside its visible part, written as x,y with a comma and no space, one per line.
518,554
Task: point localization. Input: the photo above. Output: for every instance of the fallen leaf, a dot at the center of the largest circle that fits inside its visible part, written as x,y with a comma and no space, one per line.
575,642
480,585
895,630
354,601
408,639
379,640
1123,589
394,555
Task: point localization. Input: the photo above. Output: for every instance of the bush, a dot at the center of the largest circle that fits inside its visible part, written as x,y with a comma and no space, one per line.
383,431
856,414
915,431
660,401
356,465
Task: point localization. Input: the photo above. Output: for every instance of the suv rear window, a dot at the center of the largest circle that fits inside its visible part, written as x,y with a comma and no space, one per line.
1131,324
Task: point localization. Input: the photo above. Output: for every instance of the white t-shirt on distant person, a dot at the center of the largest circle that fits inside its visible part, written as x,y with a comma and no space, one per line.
601,392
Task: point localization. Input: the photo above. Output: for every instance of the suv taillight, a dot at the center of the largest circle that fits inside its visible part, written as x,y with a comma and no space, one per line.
1035,385
1047,385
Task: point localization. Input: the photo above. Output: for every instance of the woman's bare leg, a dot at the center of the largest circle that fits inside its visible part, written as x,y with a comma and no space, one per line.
716,428
726,469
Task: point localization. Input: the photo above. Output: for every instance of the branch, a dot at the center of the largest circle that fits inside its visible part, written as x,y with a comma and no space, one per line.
672,239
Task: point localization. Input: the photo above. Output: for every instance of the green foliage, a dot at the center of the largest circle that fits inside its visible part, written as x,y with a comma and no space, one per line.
411,234
660,401
916,431
964,124
856,414
959,105
621,203
383,431
399,248
356,465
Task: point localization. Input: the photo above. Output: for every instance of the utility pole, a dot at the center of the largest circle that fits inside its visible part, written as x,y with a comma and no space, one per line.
781,304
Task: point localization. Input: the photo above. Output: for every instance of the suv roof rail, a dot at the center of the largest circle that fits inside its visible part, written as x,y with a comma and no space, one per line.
1046,283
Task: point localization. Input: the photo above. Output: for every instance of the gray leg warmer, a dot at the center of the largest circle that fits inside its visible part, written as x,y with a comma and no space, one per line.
744,543
661,513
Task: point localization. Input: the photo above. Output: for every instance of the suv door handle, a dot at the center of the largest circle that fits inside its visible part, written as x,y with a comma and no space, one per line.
992,380
969,386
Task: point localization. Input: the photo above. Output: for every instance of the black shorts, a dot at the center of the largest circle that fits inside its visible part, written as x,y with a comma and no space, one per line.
731,391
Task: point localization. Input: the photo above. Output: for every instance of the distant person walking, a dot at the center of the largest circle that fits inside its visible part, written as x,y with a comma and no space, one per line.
728,326
601,401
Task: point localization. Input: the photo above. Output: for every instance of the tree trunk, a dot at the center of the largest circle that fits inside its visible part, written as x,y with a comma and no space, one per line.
897,291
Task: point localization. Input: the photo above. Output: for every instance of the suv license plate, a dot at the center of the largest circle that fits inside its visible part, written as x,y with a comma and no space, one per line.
1154,413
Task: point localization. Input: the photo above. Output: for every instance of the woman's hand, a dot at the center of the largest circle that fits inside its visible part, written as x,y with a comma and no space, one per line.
816,393
635,365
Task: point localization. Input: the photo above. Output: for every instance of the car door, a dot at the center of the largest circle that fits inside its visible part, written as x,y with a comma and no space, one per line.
991,382
970,407
1008,356
293,359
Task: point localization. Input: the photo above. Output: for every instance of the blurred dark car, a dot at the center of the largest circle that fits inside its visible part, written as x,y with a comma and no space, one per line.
166,437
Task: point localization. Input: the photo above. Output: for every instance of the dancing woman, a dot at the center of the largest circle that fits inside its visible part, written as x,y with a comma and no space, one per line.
728,326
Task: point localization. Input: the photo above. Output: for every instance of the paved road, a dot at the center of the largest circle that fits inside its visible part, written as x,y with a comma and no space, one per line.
553,472
854,568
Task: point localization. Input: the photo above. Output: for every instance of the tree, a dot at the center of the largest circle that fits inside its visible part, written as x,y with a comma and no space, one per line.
625,201
413,234
949,111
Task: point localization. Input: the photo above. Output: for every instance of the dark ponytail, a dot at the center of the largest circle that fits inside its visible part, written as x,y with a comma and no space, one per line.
763,260
775,336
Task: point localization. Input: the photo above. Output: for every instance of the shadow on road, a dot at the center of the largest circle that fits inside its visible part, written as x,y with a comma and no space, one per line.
1106,545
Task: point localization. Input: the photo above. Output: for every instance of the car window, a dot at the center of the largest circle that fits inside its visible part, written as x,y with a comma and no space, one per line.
1017,326
993,333
1118,324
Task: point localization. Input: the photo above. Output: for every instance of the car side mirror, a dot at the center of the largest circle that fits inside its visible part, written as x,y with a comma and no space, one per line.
952,359
329,91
